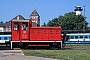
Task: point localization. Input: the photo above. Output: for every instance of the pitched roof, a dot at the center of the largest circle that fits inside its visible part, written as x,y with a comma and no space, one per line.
8,24
5,24
18,17
2,25
27,19
34,13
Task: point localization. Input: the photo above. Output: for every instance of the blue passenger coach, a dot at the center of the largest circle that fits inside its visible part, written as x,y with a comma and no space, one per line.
75,38
5,38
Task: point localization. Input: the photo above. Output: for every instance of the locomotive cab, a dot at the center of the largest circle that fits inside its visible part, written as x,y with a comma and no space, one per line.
20,31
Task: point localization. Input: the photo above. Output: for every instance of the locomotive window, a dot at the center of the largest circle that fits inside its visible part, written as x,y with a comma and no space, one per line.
85,36
0,38
45,31
32,31
16,26
5,38
76,37
57,31
39,31
81,37
72,37
51,31
24,26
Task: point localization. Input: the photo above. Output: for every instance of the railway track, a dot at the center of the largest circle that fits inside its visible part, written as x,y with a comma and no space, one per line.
16,48
4,47
77,47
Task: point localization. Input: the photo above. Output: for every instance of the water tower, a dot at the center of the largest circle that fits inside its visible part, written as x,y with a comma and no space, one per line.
78,10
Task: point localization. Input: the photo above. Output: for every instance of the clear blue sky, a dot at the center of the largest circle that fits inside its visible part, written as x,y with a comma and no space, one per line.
47,9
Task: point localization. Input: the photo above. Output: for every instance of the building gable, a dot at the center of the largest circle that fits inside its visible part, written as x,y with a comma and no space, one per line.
18,17
34,13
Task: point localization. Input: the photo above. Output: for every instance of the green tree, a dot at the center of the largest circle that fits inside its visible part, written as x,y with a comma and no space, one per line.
50,23
44,24
54,22
1,22
6,22
69,21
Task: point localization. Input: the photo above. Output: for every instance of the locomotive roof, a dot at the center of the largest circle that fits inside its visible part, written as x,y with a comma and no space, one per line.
46,27
20,20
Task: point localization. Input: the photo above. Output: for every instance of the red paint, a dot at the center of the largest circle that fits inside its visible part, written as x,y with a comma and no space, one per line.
15,33
35,33
45,34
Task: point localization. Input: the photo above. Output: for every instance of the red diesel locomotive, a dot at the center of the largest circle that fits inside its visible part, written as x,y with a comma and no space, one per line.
25,35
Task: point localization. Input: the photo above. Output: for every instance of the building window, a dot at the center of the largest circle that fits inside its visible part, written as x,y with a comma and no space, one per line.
36,17
33,17
9,26
36,21
0,30
7,29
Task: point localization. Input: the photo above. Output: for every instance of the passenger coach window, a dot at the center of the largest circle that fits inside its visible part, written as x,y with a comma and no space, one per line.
5,38
81,37
76,37
89,36
72,37
67,37
85,36
0,38
9,38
